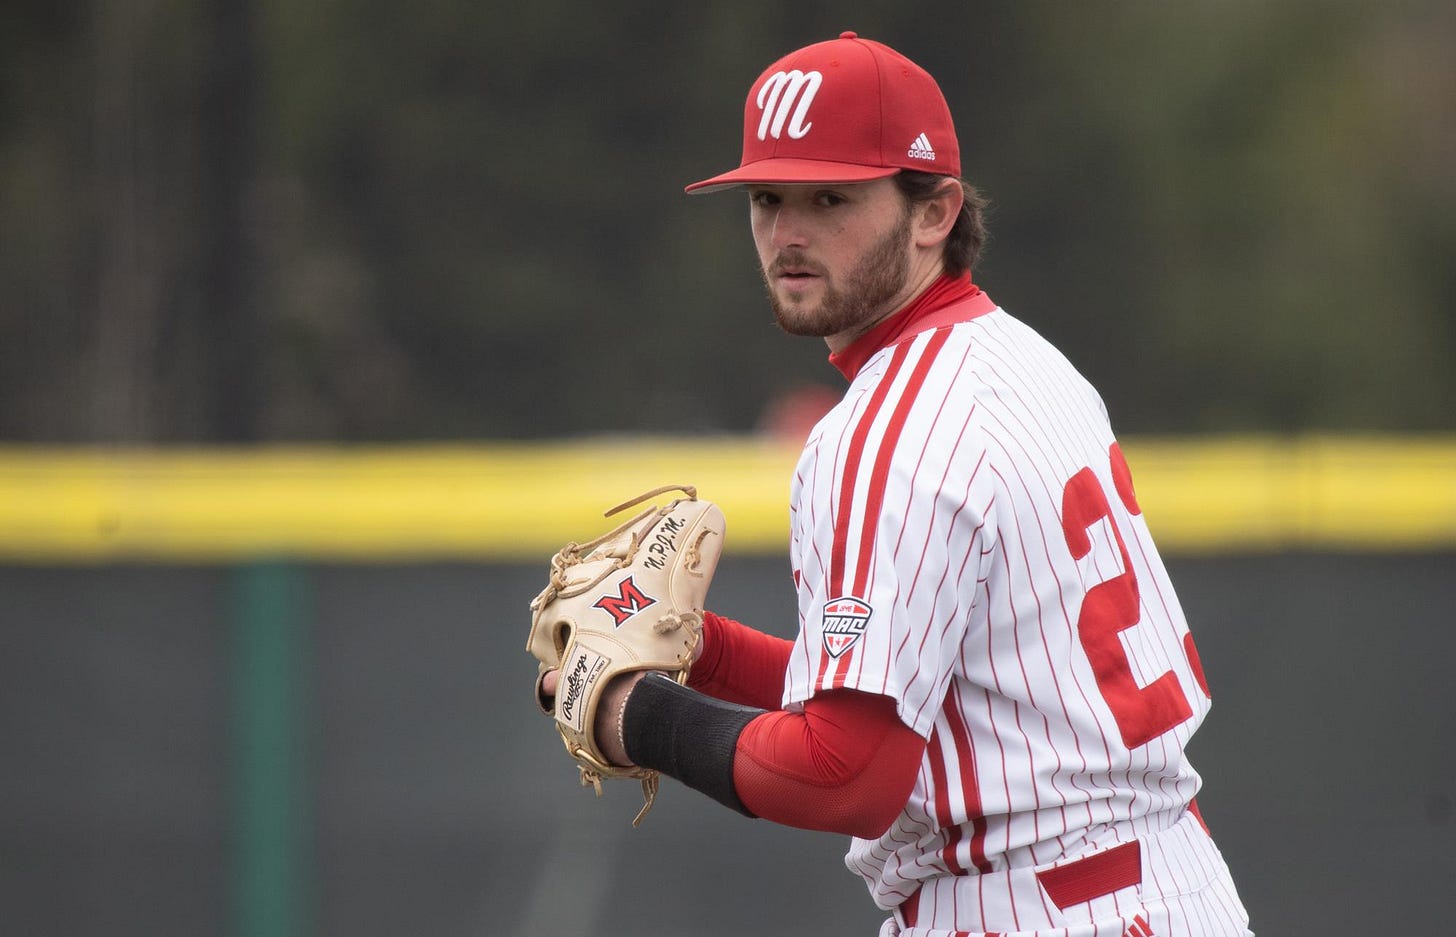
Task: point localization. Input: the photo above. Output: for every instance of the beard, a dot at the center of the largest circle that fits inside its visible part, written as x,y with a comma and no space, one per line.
867,289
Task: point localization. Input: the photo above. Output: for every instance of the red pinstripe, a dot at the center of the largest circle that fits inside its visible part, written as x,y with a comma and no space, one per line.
956,612
878,480
892,653
880,474
970,787
852,461
814,542
936,758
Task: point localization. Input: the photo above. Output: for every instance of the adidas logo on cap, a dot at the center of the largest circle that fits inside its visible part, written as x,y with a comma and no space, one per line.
921,148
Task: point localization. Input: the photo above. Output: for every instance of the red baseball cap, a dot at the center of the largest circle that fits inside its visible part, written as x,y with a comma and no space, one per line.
846,110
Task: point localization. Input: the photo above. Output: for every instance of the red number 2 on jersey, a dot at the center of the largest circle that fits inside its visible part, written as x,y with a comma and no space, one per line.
1111,607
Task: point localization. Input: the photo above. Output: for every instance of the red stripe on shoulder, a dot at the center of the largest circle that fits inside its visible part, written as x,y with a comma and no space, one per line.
880,475
858,438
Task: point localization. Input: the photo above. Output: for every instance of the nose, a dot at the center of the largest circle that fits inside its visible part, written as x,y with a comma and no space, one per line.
789,229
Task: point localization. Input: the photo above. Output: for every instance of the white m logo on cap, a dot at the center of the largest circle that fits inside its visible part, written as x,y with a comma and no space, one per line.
779,95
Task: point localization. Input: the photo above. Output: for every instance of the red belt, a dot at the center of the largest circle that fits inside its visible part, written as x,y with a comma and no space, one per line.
1101,873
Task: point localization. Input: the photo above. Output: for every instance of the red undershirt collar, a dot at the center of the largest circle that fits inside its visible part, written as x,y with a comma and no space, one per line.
948,300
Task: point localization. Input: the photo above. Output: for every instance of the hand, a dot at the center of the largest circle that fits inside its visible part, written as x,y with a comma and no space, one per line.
609,712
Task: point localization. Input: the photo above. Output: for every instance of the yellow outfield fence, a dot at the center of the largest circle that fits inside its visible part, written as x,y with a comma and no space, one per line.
519,501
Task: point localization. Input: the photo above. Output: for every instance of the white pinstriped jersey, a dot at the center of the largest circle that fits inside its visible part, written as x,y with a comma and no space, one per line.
966,540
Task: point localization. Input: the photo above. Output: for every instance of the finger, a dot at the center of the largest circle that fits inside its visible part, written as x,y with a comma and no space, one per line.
546,691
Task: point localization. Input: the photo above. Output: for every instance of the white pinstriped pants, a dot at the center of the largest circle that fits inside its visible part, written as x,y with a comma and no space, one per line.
1185,890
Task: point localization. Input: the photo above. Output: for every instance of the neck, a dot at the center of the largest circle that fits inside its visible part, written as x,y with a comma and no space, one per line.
915,284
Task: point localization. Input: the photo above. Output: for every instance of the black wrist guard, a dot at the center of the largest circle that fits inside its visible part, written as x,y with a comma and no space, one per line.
686,735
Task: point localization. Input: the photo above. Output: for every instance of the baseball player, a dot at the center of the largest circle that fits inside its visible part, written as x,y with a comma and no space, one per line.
993,683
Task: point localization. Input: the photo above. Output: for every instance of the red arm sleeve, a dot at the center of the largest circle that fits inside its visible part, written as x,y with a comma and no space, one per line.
740,665
846,765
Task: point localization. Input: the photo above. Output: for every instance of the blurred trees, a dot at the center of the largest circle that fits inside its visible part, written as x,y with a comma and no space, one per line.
239,220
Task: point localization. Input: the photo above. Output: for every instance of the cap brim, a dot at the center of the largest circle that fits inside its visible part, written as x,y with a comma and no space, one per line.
785,171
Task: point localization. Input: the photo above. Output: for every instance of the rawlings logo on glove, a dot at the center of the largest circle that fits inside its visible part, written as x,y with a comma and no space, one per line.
628,601
581,677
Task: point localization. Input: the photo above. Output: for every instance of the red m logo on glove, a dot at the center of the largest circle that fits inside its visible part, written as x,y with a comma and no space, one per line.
628,601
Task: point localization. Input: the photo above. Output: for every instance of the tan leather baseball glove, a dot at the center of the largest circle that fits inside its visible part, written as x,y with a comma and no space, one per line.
630,600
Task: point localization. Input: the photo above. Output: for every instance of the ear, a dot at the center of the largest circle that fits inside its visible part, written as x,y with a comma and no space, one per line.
936,216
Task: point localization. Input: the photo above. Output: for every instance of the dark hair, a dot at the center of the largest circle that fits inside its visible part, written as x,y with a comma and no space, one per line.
963,245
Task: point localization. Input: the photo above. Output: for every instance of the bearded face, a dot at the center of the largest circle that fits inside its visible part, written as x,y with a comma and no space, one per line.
845,300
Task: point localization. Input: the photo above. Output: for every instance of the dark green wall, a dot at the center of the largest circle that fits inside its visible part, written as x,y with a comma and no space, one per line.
432,799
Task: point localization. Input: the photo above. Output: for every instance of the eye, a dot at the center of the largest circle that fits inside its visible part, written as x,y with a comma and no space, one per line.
762,198
829,199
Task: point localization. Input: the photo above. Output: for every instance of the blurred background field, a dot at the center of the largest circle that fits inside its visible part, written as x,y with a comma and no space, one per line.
307,309
245,220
